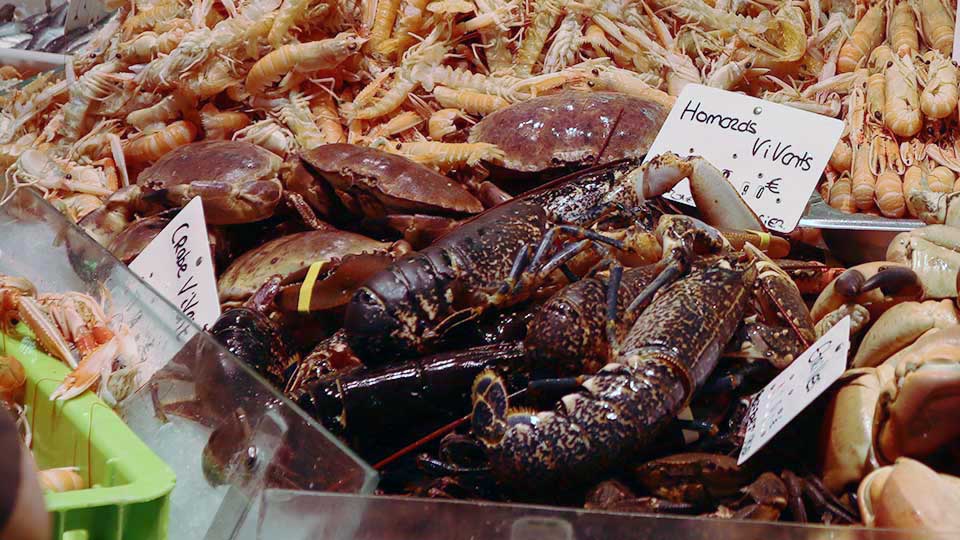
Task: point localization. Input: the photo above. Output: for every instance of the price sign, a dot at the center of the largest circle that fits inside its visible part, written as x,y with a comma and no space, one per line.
795,388
956,42
177,263
772,154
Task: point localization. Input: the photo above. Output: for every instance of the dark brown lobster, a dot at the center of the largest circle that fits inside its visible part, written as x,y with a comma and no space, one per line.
504,255
655,369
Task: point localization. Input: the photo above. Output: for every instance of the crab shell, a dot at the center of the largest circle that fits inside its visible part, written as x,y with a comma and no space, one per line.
572,128
346,261
919,409
693,477
376,183
847,436
237,180
910,495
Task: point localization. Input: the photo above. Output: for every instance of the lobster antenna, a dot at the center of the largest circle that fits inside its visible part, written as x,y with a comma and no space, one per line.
436,434
606,141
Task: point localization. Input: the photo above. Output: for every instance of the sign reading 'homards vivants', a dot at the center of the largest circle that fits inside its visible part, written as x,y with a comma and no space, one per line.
773,154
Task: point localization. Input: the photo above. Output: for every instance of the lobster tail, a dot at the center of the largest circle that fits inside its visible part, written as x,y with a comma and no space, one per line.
490,402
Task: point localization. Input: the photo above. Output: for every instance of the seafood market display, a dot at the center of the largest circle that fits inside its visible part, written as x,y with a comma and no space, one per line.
436,228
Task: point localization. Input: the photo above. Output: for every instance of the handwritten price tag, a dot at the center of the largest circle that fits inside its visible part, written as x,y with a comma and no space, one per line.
956,42
795,388
177,263
772,154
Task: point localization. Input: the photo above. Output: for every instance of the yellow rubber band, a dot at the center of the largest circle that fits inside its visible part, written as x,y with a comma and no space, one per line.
764,239
306,290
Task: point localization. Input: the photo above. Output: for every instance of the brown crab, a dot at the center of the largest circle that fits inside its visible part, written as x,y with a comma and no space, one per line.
237,181
344,260
572,129
388,190
127,245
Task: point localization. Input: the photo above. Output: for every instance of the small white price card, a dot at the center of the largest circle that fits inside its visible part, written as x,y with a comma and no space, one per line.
177,263
772,154
795,388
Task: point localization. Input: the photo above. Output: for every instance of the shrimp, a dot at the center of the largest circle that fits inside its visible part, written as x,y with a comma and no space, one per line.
383,21
148,45
842,156
863,183
903,30
221,125
494,36
37,169
295,113
840,197
566,41
616,79
410,24
156,116
290,14
270,135
867,35
901,111
92,86
415,69
940,94
447,156
301,58
398,124
328,119
936,24
441,123
61,479
153,146
545,17
890,199
468,100
875,97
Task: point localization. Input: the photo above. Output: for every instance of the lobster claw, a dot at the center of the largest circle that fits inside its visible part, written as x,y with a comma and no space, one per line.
682,238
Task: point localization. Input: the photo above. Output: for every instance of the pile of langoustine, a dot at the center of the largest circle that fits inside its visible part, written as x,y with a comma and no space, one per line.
404,76
899,150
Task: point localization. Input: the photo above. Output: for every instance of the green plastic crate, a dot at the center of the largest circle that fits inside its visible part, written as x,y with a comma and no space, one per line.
130,486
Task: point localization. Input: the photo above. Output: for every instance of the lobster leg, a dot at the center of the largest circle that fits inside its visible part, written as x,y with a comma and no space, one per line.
536,269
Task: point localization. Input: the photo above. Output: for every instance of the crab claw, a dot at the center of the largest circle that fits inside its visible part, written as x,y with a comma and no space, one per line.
936,208
876,285
900,326
921,410
910,495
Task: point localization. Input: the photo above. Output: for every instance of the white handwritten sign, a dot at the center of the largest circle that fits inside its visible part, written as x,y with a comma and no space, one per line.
956,41
772,154
177,263
795,388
